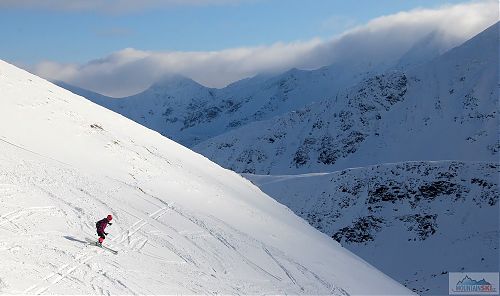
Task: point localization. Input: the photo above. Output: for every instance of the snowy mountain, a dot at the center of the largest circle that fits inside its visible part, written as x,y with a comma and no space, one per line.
388,117
292,122
434,114
416,221
185,111
182,224
393,216
189,113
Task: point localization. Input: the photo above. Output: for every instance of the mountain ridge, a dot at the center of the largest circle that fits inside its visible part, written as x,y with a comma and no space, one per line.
385,118
191,116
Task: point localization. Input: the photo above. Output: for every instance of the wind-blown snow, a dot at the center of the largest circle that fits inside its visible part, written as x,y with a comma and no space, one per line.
182,224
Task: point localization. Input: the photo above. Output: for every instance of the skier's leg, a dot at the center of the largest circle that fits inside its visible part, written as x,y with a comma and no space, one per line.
101,238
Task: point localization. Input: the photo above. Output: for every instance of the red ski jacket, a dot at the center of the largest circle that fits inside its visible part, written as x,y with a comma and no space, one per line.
101,225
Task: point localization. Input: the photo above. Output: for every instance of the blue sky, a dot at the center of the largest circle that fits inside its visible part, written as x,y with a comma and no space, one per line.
31,34
121,47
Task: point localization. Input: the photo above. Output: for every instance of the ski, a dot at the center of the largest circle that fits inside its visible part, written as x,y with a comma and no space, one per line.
106,248
94,243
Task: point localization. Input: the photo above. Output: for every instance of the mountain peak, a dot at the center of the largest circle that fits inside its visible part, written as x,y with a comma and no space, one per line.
484,43
175,81
423,50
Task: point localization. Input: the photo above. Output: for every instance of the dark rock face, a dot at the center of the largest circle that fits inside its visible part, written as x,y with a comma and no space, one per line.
355,122
405,194
444,214
437,188
362,230
423,225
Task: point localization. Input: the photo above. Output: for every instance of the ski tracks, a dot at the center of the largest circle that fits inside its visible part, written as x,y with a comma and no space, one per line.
219,234
66,269
61,273
303,270
9,189
14,215
138,225
216,234
288,273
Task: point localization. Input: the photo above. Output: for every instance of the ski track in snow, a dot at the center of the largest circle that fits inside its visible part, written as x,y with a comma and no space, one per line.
8,190
66,269
14,215
125,241
288,274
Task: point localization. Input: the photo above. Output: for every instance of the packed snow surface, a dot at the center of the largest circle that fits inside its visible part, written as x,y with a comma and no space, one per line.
182,224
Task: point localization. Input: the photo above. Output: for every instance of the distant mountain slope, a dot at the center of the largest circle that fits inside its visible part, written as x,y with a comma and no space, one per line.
444,109
189,113
310,139
416,221
182,224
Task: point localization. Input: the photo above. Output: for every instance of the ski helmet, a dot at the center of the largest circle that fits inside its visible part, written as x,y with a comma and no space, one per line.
109,217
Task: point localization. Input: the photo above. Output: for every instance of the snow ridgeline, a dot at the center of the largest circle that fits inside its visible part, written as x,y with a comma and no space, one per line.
190,113
183,225
416,221
446,108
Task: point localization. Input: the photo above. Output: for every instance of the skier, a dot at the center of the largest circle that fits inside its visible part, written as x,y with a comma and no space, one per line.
101,225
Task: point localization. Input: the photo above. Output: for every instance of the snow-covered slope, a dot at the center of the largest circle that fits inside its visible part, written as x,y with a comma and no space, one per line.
183,225
189,113
444,109
416,221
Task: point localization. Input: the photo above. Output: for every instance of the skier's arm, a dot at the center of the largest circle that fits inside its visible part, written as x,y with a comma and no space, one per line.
109,223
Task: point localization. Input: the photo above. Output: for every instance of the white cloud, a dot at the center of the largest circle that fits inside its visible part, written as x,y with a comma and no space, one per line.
106,6
130,70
